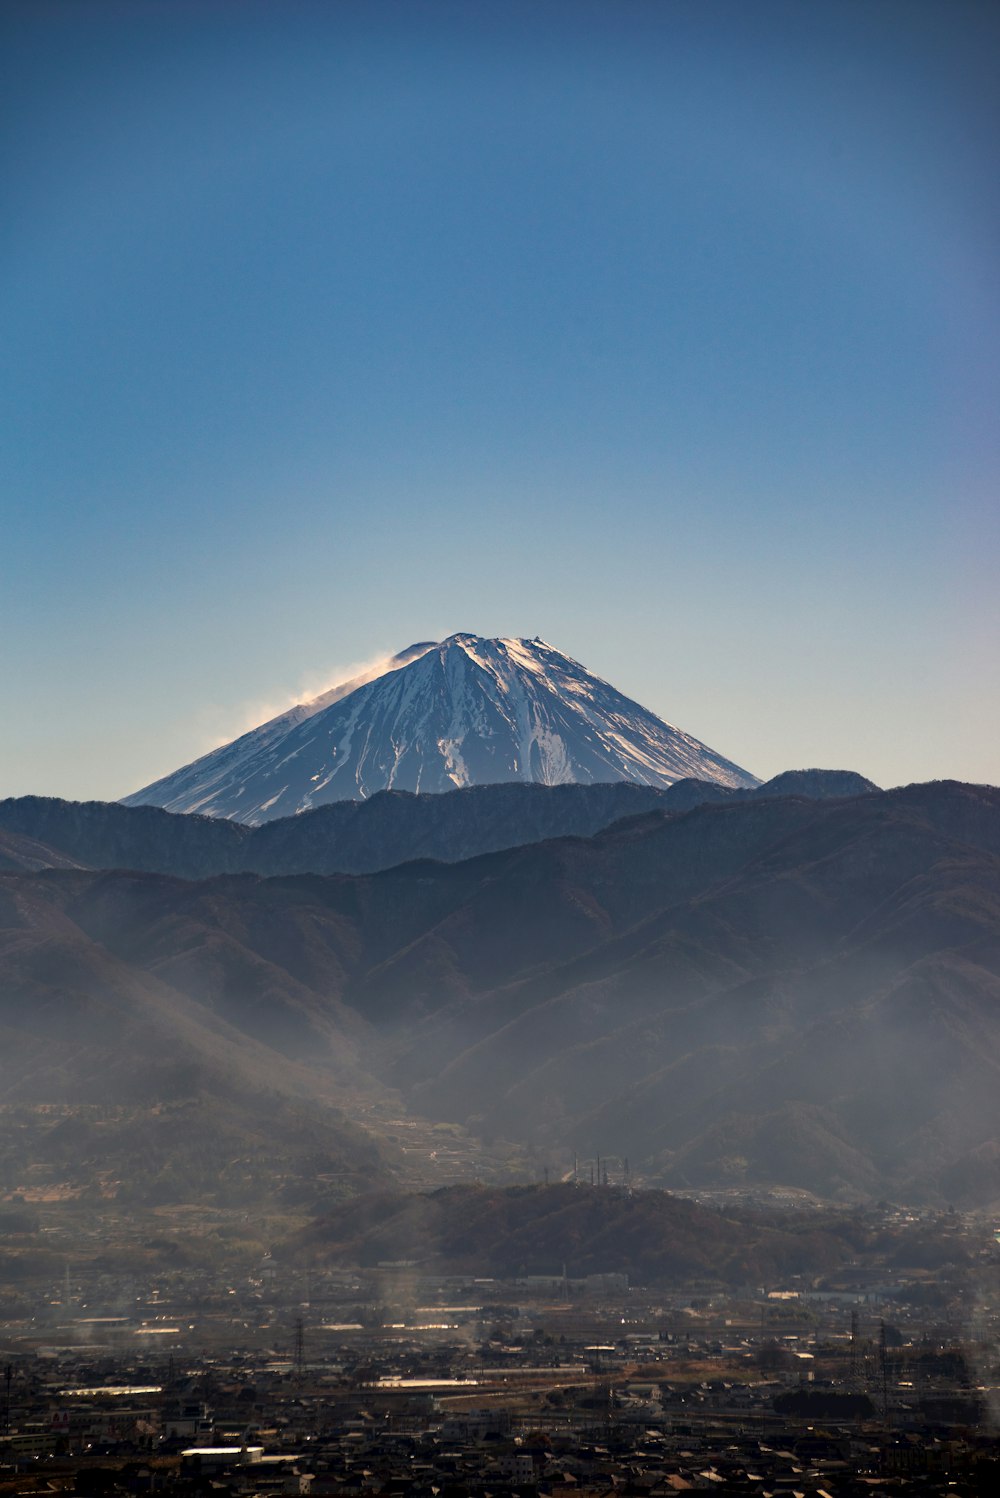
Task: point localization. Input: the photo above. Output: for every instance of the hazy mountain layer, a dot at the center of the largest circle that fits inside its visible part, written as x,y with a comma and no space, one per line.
468,711
166,1092
762,990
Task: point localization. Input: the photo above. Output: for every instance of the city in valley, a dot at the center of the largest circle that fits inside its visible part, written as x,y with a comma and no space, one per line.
131,1371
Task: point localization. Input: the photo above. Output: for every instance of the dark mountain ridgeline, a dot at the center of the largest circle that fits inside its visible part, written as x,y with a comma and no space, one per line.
107,835
356,837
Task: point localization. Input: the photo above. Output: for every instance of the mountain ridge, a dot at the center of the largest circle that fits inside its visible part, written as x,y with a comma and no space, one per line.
357,837
769,991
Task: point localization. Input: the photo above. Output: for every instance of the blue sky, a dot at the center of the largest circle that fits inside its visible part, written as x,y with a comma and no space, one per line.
668,332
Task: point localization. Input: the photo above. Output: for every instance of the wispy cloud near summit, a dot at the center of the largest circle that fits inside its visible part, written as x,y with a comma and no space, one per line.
316,692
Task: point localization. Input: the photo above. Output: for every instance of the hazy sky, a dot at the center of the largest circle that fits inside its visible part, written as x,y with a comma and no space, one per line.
666,331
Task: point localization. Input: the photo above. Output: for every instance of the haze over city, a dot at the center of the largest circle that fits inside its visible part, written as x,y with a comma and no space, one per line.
665,332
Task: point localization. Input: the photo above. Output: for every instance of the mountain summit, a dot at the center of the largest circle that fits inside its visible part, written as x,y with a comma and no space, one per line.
465,711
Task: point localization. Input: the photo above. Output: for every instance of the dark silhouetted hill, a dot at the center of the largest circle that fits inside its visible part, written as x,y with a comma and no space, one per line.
574,1230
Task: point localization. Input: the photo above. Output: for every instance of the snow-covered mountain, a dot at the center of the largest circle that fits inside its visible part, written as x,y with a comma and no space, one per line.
466,711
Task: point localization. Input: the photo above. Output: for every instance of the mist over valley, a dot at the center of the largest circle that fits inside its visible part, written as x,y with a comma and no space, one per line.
764,991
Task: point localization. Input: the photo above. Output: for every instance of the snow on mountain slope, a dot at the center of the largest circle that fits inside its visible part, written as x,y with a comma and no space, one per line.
466,711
